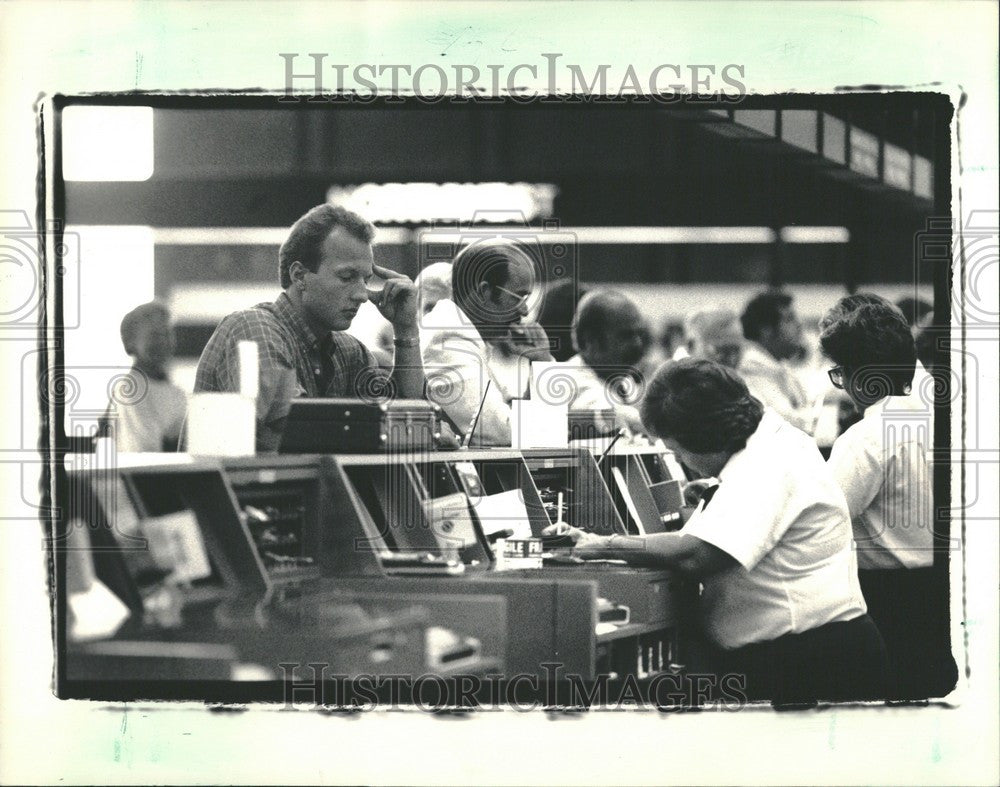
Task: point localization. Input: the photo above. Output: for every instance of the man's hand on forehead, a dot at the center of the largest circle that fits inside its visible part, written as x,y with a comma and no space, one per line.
377,282
396,299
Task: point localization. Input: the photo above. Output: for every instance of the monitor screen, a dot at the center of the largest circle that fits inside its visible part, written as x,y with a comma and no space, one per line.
196,537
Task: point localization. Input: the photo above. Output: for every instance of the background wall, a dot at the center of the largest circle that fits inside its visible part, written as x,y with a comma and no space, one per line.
225,180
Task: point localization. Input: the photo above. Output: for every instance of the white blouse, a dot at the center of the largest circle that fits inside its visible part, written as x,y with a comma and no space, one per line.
883,466
780,514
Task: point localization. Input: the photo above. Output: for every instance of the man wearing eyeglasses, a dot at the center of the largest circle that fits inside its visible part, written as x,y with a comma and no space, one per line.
882,466
477,346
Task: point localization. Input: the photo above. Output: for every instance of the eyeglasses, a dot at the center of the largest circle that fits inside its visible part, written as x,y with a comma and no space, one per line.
520,300
836,375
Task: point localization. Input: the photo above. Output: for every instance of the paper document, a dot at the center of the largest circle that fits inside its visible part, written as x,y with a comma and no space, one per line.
95,613
175,545
538,424
503,511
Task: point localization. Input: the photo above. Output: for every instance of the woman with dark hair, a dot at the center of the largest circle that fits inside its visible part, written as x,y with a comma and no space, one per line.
771,546
884,471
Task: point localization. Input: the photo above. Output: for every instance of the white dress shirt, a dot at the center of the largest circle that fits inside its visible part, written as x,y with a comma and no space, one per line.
777,387
457,364
592,394
146,412
779,512
882,465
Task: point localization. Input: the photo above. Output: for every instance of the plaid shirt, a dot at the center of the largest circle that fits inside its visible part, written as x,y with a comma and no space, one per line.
293,363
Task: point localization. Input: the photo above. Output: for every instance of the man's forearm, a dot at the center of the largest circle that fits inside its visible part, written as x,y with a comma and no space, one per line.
408,367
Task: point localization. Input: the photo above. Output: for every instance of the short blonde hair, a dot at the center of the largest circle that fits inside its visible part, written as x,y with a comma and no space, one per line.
710,322
434,283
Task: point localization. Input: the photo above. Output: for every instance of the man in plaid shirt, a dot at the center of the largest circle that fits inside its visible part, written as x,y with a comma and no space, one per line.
324,268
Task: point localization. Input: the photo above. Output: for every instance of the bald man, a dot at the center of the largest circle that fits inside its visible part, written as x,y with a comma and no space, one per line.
478,344
610,336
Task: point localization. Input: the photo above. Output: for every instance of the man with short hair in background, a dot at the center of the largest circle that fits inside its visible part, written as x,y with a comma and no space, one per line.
146,409
611,337
716,335
773,333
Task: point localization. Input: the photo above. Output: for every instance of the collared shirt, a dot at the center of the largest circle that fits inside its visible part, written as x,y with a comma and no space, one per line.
457,364
776,386
591,393
293,362
882,465
779,512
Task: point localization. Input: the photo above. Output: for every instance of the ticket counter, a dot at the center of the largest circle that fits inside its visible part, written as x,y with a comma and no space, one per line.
374,564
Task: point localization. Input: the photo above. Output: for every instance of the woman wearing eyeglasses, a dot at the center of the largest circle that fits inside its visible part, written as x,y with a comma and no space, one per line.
882,465
772,547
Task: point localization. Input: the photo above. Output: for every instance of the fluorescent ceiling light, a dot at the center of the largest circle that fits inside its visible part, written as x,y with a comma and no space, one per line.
815,234
251,236
667,235
620,235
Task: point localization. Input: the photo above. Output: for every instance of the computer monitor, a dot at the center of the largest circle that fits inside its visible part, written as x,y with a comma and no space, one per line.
573,476
197,512
646,493
398,508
